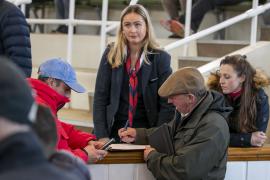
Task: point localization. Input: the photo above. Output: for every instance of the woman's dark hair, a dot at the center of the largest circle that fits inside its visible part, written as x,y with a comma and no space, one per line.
248,109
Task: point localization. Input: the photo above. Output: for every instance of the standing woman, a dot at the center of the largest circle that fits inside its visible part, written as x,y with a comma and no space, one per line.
242,87
130,73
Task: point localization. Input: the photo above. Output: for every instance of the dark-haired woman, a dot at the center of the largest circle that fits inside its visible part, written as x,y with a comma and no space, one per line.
242,87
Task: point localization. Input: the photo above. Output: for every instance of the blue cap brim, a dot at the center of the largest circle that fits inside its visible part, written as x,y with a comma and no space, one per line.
76,87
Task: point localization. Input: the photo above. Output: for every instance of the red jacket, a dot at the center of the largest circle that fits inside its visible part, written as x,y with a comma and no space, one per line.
69,138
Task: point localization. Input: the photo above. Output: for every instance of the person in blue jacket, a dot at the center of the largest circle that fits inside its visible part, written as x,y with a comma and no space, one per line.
129,76
242,86
15,37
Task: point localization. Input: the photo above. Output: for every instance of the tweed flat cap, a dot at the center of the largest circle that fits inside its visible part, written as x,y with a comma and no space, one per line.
184,80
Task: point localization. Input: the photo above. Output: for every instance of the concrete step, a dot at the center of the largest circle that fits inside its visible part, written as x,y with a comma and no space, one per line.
77,117
219,48
185,61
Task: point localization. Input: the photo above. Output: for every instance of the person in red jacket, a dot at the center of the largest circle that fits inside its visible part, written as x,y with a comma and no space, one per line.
53,88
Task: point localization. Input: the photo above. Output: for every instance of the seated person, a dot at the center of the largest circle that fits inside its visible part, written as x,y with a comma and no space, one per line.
198,10
199,129
62,12
172,8
53,88
242,87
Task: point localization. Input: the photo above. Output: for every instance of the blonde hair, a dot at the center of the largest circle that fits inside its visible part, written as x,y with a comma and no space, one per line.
117,53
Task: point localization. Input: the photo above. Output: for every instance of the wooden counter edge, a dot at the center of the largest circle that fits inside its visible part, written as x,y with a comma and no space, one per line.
234,154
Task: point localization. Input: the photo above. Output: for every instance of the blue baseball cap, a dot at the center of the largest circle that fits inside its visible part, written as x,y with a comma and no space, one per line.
59,69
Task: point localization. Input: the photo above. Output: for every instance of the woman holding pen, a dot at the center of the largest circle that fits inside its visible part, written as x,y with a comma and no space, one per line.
130,73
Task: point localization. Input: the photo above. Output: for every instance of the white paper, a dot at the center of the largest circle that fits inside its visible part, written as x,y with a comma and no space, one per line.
126,147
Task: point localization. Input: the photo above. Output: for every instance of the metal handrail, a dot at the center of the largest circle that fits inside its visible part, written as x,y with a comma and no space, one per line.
248,14
107,26
71,22
20,2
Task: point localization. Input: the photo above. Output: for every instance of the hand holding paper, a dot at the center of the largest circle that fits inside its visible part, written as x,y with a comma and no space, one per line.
127,135
147,151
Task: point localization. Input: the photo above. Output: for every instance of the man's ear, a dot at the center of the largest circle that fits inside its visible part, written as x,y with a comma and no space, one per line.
192,98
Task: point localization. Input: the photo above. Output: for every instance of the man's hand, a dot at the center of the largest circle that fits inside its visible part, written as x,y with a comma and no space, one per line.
127,135
94,154
98,144
147,151
105,139
258,138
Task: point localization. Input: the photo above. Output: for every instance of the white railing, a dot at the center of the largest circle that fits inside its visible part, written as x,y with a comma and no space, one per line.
20,2
107,26
252,13
248,14
71,22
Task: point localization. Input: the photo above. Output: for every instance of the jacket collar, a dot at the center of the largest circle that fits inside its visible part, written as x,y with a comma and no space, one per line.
194,117
145,68
47,96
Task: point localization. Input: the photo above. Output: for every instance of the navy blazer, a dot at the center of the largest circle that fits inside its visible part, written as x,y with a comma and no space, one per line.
108,89
243,139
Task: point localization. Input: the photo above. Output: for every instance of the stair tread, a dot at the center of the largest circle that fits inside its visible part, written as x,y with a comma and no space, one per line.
196,58
76,117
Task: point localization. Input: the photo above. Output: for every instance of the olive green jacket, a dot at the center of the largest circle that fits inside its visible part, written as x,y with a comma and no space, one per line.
200,141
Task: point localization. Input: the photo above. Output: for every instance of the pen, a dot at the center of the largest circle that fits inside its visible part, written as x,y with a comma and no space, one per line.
126,125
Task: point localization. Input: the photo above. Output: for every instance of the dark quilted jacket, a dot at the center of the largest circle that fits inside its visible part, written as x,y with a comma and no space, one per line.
15,36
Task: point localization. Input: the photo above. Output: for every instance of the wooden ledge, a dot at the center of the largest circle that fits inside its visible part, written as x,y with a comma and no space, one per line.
123,157
249,154
234,154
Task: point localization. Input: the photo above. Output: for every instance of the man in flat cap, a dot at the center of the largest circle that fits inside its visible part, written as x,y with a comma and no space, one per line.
199,131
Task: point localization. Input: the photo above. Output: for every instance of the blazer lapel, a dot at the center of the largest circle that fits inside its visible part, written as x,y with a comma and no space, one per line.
119,78
146,70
